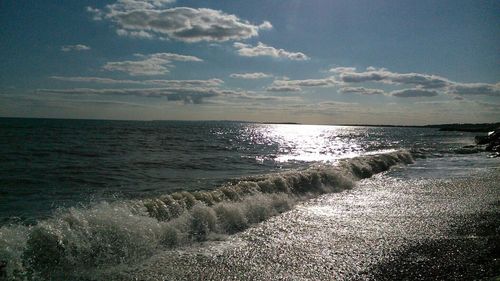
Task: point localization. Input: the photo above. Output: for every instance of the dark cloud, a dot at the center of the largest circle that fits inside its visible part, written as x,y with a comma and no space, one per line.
474,89
361,90
283,88
188,95
414,93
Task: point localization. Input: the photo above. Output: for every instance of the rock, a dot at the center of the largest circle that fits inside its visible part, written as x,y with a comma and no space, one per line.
481,139
490,142
492,139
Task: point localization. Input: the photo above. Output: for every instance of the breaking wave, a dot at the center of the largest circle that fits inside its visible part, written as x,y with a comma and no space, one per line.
76,243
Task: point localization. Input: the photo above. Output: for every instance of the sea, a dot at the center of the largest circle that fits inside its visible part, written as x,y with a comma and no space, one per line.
227,200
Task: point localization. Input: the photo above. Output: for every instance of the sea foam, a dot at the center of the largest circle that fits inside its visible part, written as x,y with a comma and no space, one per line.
76,243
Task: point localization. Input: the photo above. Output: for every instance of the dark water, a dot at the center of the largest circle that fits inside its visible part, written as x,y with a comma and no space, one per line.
47,163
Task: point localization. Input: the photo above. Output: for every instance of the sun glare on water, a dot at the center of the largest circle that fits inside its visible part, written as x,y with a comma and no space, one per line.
309,143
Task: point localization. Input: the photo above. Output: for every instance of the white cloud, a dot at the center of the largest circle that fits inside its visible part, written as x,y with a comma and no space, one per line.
414,93
127,5
361,90
266,25
150,18
262,49
295,85
135,34
426,85
255,75
77,47
154,64
348,75
342,69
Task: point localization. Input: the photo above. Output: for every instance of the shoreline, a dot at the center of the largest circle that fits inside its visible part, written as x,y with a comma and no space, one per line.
426,230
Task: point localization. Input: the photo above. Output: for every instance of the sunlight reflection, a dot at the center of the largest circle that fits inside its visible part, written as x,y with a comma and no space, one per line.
309,143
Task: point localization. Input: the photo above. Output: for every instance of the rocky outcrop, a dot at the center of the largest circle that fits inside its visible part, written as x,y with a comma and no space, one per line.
490,141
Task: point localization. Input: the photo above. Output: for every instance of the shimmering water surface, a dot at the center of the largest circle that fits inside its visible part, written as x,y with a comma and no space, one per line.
47,164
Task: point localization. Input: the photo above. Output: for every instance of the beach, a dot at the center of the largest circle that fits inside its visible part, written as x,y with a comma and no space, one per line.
383,229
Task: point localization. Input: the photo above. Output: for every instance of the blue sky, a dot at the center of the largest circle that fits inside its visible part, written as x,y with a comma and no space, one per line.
320,62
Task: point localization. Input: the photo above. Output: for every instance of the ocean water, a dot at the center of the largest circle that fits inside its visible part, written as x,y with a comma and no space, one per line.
93,199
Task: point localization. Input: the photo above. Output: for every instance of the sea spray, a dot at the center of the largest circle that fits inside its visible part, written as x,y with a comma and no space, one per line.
77,242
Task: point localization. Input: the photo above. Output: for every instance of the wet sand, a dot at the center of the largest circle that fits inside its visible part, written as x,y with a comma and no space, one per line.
386,228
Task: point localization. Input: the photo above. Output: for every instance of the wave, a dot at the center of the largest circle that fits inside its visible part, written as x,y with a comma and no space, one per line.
75,243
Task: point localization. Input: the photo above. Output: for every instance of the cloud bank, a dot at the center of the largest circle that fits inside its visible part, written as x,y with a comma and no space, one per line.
192,95
159,82
153,64
423,85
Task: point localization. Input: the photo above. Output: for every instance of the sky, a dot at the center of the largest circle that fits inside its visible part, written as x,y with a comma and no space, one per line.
395,62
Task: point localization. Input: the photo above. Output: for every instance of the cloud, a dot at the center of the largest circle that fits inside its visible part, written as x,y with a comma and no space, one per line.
194,95
77,47
266,25
154,64
255,75
127,5
361,90
426,81
295,85
146,19
262,49
169,83
188,95
283,88
342,69
426,85
413,93
474,89
135,34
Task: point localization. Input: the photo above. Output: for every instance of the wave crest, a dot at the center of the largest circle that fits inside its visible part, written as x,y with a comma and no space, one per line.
78,241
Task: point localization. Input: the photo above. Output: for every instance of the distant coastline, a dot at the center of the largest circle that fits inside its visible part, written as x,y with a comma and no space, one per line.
458,127
482,127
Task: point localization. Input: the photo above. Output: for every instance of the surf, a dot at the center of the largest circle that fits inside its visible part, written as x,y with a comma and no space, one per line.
78,242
